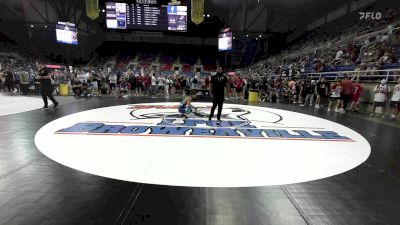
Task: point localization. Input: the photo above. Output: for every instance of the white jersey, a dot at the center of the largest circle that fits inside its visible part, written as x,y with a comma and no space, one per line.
336,92
380,92
161,81
153,80
113,79
396,94
83,77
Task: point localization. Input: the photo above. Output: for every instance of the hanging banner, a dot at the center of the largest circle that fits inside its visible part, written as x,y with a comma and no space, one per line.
197,11
92,9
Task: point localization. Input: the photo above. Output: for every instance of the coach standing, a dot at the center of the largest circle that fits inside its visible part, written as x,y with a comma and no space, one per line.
218,83
46,88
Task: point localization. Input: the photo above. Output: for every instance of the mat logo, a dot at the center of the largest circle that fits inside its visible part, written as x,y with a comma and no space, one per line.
159,120
152,143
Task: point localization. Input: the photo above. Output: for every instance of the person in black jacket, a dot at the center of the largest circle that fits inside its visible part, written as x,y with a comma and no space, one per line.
45,85
218,83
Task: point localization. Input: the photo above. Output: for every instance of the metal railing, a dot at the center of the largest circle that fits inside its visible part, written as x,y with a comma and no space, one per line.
362,75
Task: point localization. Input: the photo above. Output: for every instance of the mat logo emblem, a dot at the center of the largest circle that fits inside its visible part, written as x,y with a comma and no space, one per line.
164,120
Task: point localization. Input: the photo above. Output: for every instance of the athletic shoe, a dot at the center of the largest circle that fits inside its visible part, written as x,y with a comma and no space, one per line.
337,110
329,109
372,115
316,106
342,111
45,107
302,105
219,122
55,105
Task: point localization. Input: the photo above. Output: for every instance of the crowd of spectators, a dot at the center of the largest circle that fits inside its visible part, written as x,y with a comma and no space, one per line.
328,52
282,81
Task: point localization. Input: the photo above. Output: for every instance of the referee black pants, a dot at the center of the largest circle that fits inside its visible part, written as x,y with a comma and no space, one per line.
217,101
47,92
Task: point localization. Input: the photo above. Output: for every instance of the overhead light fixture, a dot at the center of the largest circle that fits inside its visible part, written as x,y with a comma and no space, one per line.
45,26
32,26
103,10
233,38
260,35
208,15
247,35
256,39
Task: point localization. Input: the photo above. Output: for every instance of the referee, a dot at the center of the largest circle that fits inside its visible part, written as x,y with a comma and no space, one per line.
46,88
218,83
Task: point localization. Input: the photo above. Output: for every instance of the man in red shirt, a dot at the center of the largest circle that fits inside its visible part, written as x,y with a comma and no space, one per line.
355,96
147,82
139,85
238,84
347,91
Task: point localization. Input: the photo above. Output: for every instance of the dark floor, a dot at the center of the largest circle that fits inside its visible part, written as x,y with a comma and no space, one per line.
35,190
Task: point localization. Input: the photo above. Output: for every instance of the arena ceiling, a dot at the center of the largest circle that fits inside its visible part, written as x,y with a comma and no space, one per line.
241,15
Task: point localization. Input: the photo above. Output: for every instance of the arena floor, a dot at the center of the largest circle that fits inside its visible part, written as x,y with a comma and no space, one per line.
37,190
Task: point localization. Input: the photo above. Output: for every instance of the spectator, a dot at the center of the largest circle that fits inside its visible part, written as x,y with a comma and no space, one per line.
355,96
153,88
381,91
113,82
347,90
77,87
8,81
335,97
395,101
308,93
24,79
322,90
238,84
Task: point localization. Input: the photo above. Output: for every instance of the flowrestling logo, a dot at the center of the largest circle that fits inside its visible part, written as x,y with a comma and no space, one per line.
238,122
370,15
152,143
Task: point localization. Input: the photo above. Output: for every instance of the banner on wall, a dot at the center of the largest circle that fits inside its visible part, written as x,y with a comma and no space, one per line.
197,11
92,9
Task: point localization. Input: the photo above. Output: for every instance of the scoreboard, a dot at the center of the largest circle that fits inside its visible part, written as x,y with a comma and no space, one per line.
160,15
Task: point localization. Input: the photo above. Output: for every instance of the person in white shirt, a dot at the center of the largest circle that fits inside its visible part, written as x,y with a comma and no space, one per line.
339,55
167,83
381,90
194,81
113,82
160,88
395,101
83,77
336,91
153,89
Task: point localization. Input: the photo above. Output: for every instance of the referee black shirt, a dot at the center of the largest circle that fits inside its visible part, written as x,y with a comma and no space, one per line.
43,73
218,82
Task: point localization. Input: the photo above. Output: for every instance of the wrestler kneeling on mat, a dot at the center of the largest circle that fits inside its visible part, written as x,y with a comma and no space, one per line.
185,107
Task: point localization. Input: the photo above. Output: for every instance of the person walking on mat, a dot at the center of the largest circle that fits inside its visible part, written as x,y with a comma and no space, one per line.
218,83
46,88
